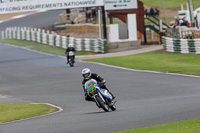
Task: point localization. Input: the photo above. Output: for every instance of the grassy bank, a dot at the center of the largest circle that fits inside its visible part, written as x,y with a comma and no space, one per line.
191,126
172,4
157,61
163,62
41,47
11,112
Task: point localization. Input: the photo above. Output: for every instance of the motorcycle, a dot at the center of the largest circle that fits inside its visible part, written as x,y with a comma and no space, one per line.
101,97
71,58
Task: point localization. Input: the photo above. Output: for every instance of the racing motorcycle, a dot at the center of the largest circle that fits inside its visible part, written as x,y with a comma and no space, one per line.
71,58
101,97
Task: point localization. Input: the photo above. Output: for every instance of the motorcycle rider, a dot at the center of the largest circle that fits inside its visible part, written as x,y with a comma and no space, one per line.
87,75
70,48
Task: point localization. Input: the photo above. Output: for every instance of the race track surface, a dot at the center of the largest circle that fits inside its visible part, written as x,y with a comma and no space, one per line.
144,99
33,21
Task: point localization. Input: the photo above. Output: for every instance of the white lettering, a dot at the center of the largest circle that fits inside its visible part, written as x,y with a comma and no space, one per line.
30,5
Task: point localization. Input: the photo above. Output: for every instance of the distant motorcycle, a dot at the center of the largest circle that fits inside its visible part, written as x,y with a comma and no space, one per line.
102,97
71,58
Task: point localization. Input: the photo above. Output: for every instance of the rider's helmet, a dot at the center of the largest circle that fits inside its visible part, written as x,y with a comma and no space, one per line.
86,73
70,45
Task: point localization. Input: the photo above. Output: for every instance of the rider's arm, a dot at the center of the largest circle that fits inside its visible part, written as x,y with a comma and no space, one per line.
67,51
97,77
74,50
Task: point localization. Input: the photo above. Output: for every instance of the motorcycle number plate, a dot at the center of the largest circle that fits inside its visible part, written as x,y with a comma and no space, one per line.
71,53
91,89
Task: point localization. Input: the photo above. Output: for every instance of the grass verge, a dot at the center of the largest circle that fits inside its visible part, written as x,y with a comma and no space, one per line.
190,126
41,47
157,61
173,4
12,112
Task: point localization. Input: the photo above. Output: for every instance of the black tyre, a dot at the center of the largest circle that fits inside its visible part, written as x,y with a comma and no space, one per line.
103,105
113,107
71,62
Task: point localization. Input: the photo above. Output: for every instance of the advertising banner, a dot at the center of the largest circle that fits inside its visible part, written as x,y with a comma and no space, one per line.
11,6
120,4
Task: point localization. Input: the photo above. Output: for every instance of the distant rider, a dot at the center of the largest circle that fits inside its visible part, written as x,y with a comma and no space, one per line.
87,75
70,48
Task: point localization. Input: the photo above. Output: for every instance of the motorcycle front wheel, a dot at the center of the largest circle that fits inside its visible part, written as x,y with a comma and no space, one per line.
71,62
102,104
113,107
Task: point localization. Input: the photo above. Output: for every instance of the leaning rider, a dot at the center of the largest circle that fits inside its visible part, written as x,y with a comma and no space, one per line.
87,75
70,48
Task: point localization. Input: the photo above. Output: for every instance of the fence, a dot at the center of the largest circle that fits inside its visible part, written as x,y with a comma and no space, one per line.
181,45
183,32
40,36
152,36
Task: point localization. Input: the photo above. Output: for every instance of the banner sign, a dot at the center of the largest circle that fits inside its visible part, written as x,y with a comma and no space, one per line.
120,4
11,6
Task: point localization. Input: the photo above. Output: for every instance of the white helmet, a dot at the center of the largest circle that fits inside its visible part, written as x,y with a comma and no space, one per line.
70,45
86,73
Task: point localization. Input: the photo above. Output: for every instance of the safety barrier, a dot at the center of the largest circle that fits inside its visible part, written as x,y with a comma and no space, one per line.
181,45
40,36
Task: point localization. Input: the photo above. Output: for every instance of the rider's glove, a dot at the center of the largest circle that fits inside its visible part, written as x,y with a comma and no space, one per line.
103,82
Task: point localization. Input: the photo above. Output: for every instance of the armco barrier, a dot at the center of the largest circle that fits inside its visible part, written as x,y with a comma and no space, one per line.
37,35
181,45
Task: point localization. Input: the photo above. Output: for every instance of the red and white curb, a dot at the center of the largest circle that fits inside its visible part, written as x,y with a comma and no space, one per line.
20,16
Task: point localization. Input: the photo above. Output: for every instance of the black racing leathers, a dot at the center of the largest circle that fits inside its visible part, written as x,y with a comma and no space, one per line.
67,52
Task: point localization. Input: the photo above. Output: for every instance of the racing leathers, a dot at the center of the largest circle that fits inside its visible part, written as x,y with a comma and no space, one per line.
67,53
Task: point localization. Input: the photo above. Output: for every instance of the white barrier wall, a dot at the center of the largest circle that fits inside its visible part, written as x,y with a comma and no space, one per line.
132,27
81,44
113,33
181,45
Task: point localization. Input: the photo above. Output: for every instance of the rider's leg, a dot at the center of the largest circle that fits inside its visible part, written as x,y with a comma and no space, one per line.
67,59
74,58
104,86
88,98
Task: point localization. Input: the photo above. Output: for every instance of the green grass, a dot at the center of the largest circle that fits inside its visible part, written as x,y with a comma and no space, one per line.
190,126
157,61
173,4
41,47
11,112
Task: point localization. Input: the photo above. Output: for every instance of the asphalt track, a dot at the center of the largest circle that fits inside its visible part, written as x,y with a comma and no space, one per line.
144,99
34,21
